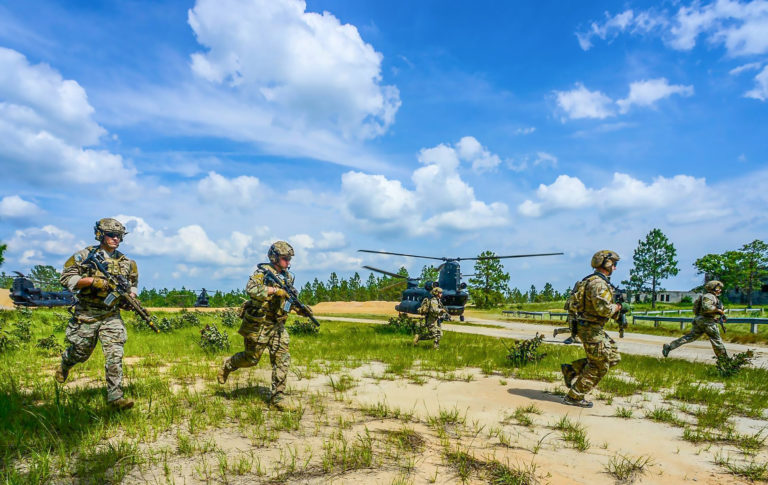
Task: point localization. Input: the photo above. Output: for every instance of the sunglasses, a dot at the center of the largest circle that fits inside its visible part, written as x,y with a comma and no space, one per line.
114,234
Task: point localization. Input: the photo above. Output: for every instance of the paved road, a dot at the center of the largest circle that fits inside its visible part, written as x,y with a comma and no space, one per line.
632,343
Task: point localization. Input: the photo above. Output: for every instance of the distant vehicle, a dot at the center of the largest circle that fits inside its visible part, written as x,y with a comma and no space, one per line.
202,299
24,293
455,292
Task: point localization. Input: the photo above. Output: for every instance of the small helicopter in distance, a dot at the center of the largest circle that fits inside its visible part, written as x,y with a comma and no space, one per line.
455,292
202,299
24,293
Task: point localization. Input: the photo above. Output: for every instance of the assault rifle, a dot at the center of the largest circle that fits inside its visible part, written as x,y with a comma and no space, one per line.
121,289
618,298
722,319
293,297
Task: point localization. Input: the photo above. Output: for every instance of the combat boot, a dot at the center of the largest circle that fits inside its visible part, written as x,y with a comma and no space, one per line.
61,374
568,341
665,350
277,402
416,339
568,374
224,372
575,402
121,404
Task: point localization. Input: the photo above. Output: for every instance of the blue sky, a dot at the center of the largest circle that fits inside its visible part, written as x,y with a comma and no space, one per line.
212,128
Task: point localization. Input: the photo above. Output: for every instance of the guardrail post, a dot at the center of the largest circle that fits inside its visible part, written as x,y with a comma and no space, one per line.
682,325
753,328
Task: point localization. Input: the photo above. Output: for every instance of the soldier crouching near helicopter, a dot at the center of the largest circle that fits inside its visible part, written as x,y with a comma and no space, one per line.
93,319
434,313
264,316
592,301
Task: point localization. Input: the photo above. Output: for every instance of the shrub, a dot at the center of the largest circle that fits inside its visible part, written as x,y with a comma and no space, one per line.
229,318
50,344
405,324
730,365
212,340
303,327
525,351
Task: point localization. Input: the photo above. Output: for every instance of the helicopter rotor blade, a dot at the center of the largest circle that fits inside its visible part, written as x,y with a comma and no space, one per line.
512,256
400,254
388,273
391,286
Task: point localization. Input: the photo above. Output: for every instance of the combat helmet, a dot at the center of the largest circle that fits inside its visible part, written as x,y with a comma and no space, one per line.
108,225
279,249
711,286
436,291
599,258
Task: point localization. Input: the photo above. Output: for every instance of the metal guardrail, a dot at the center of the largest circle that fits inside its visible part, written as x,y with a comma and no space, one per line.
752,322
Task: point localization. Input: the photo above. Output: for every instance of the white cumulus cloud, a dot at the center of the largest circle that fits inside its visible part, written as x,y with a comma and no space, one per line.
440,200
760,91
739,27
46,124
683,196
43,245
13,206
648,92
309,68
580,102
240,191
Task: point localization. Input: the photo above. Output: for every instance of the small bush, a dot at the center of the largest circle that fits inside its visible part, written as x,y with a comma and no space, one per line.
405,324
728,366
303,327
21,331
50,344
212,340
60,321
229,318
525,351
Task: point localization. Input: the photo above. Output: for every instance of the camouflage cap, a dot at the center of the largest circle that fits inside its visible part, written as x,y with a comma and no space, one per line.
711,286
108,224
279,249
436,290
598,259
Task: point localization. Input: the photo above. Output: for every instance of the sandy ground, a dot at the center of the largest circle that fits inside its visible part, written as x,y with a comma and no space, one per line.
485,405
5,299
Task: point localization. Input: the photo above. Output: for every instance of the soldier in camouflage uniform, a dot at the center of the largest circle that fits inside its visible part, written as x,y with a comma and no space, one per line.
93,320
707,311
595,308
434,313
264,316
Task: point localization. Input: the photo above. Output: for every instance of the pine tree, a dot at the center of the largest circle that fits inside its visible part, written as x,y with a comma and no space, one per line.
654,261
489,283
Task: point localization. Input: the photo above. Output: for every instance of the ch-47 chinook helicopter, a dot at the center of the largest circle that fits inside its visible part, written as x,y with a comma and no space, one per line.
25,293
455,292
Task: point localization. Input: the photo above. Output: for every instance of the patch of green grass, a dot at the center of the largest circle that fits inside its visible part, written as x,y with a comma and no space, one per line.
622,412
626,468
664,415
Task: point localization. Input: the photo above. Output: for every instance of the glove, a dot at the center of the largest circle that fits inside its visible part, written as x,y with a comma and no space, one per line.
100,284
281,293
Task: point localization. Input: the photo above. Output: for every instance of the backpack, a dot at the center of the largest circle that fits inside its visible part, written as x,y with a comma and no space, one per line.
697,305
577,302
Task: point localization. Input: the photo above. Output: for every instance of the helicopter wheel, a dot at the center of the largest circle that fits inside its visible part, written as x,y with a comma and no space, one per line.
461,317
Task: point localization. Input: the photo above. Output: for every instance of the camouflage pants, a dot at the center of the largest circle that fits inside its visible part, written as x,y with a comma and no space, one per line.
433,331
82,334
702,328
602,354
270,336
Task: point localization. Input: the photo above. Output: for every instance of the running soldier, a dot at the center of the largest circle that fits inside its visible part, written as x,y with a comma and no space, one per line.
434,313
592,302
708,312
264,316
93,320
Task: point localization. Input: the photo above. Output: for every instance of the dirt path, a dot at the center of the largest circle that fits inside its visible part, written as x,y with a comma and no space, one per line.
632,343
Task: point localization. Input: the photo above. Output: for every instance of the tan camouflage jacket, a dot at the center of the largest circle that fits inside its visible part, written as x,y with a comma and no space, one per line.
432,308
707,308
598,304
262,307
90,300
